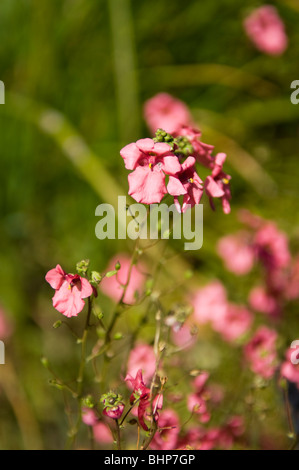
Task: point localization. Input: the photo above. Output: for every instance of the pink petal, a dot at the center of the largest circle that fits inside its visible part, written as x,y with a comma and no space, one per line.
146,145
171,165
55,277
67,300
131,154
86,288
147,186
161,148
212,188
188,163
175,187
220,159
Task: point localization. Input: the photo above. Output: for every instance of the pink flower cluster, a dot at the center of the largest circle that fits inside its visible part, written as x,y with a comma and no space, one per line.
211,306
222,437
162,167
262,243
261,354
197,401
266,30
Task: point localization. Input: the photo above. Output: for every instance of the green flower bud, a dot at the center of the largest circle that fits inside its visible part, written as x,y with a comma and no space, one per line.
82,267
88,402
45,362
95,277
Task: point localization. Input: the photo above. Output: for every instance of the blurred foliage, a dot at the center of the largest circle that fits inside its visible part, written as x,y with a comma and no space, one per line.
95,63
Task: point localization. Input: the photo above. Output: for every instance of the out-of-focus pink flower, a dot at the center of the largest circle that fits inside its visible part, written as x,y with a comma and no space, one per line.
166,112
5,325
228,433
260,352
197,401
230,320
186,183
290,367
237,253
113,286
70,290
166,437
210,303
217,185
266,30
182,336
292,287
142,357
89,417
102,433
235,323
150,162
215,438
272,247
262,301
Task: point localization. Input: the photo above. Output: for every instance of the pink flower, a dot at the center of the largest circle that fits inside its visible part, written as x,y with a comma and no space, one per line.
151,162
186,183
266,30
114,412
235,323
211,306
272,246
102,433
182,336
262,301
210,303
142,357
228,433
217,185
197,402
70,290
140,393
114,286
113,405
236,252
290,367
166,437
166,112
260,352
89,417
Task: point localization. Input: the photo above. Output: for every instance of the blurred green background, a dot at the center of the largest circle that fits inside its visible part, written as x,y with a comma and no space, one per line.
77,73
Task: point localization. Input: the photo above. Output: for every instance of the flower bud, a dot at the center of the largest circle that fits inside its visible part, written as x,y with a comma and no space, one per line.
82,267
113,405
